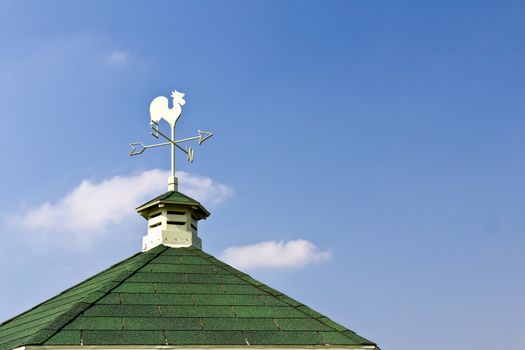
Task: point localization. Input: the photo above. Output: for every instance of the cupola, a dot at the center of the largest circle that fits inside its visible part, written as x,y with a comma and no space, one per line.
172,221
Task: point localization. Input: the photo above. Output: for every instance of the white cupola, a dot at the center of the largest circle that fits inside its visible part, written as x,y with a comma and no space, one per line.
172,221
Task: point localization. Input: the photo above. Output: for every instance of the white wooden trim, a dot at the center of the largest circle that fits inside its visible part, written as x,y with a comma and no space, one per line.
194,347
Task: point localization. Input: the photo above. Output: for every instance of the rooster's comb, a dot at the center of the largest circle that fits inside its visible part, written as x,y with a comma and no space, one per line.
176,94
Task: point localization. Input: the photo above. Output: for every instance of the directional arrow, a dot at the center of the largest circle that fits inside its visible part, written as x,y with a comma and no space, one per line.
203,136
206,136
139,148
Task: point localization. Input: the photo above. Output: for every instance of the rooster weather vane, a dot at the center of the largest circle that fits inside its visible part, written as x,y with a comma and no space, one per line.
158,110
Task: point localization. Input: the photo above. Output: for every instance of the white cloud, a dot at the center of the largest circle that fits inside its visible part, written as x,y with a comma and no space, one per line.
90,207
203,188
118,57
273,254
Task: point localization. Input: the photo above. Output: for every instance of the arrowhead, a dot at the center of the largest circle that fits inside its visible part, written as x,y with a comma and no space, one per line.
204,135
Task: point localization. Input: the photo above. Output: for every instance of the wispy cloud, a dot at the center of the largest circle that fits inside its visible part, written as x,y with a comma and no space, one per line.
91,207
275,254
118,57
75,59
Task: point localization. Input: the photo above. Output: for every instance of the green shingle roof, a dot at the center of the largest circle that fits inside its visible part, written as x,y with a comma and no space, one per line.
173,296
174,197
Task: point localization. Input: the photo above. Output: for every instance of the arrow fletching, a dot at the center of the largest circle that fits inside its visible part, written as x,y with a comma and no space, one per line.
136,148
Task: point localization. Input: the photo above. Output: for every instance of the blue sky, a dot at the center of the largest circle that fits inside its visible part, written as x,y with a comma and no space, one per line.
389,135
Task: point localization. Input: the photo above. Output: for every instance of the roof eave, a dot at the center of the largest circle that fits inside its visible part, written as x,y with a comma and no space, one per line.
196,347
197,206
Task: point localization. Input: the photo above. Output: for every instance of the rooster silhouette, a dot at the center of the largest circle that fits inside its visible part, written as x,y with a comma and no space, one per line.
158,108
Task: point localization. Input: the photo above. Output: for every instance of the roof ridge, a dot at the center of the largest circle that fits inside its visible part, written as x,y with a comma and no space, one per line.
67,290
55,326
247,278
188,197
166,195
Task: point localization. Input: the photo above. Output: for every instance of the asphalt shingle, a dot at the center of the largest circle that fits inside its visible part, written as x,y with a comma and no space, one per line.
177,296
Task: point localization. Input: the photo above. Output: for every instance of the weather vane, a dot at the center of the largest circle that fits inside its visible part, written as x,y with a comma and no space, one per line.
158,109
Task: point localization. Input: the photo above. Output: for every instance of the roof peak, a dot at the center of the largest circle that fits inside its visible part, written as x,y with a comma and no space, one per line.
174,296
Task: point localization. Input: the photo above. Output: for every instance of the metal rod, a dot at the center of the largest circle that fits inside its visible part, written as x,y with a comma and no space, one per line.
182,149
172,142
188,139
166,137
158,145
173,150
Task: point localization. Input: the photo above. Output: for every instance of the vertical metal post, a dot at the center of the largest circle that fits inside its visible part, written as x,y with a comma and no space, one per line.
173,151
172,181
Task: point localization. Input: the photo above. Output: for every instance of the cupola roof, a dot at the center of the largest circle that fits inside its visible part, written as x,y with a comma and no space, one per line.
174,197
